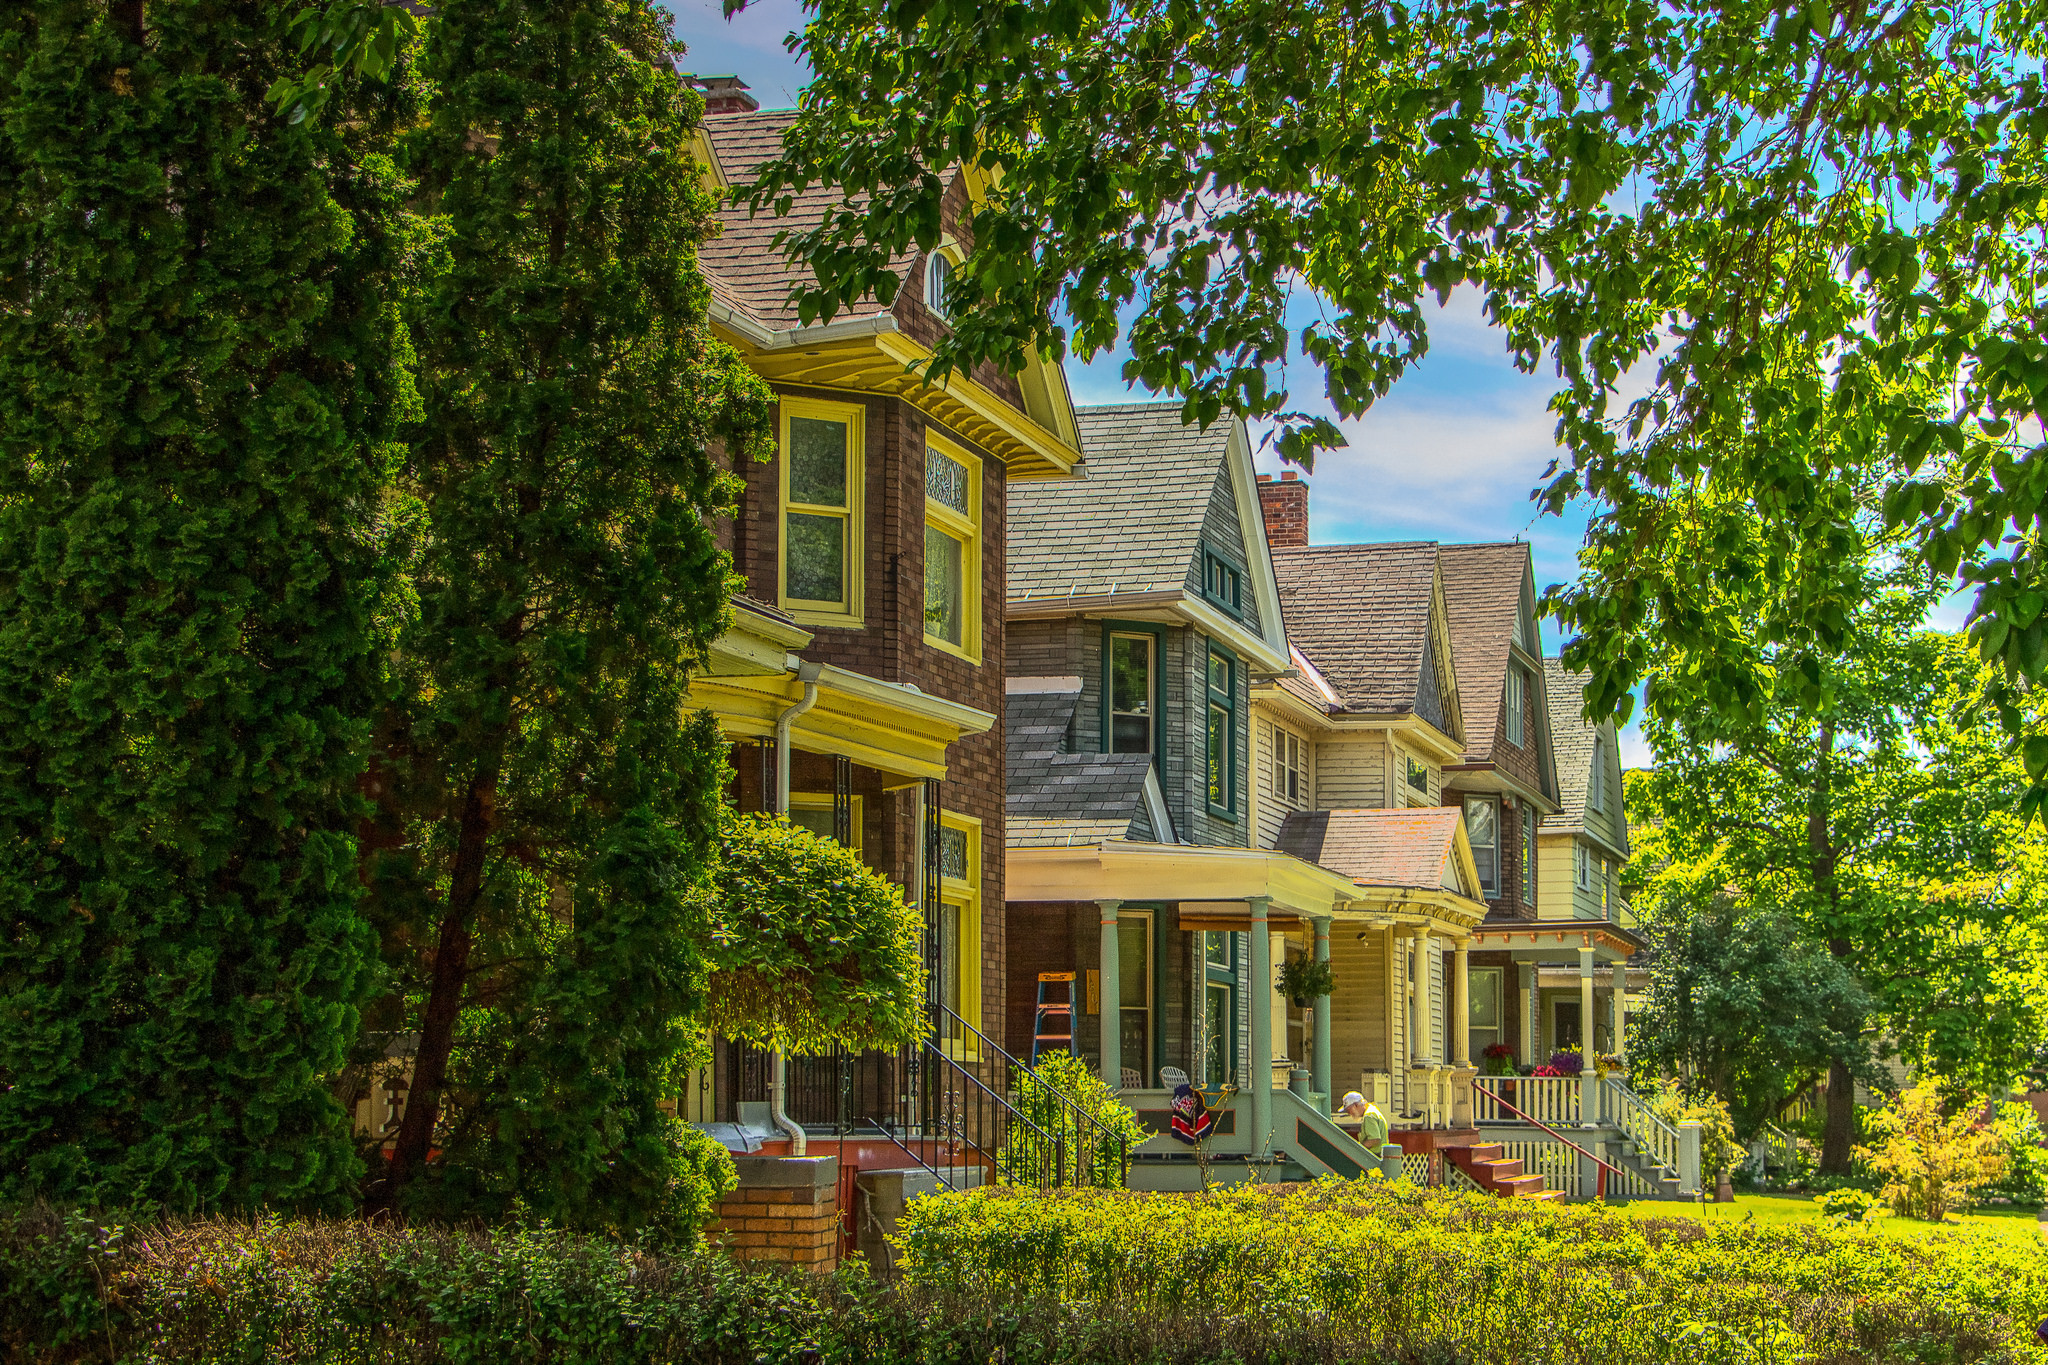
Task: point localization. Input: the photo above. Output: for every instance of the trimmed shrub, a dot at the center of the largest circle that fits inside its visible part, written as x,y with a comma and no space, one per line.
1397,1271
1326,1274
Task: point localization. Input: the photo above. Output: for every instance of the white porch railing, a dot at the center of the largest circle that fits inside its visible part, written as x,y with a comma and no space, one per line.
1626,1110
1546,1099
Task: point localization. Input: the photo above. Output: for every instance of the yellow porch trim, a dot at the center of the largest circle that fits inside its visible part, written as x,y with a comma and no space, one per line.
754,645
1560,938
878,361
1117,869
886,726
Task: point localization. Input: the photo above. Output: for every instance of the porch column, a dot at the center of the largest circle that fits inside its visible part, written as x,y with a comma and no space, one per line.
1532,1016
1461,1006
1260,1082
1319,1050
1621,1009
1425,1003
1112,1000
1589,1079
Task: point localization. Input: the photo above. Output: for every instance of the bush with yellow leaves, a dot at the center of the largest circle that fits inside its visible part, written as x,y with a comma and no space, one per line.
1933,1161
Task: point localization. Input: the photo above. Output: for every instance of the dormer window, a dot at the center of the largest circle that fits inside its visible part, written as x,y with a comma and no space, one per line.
1223,582
938,286
1418,774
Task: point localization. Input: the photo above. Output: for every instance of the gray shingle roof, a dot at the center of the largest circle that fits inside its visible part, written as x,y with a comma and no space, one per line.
1483,594
1055,797
746,271
1133,523
1571,740
1360,614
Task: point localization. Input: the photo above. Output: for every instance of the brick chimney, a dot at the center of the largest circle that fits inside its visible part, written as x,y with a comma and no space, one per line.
723,94
1285,508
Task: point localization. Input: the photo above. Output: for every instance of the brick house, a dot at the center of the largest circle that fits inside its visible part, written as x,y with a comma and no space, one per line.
870,631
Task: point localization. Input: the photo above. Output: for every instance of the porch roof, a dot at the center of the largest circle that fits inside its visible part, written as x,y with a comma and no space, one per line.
1218,881
892,727
1558,941
1122,869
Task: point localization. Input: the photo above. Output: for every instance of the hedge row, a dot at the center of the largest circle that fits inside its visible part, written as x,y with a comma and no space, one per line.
1332,1274
1487,1279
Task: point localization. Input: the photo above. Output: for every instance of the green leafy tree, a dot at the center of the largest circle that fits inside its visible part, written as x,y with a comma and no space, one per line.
199,394
1741,1005
1860,798
545,802
1813,229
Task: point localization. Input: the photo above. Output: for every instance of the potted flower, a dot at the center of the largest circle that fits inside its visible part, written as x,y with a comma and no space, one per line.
1610,1065
1498,1060
1566,1064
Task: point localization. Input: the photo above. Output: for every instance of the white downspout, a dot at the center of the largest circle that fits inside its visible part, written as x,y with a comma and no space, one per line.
807,673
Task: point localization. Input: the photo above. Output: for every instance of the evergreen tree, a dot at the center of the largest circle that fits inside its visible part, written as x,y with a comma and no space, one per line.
545,802
197,388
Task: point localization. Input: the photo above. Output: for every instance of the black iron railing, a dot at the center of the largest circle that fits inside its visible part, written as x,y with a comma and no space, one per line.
956,1104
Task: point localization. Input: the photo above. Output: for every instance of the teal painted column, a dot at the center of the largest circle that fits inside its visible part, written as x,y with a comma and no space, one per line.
1319,1052
1260,1082
1112,1068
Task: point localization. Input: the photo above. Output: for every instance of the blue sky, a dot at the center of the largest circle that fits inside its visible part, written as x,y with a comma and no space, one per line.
1449,455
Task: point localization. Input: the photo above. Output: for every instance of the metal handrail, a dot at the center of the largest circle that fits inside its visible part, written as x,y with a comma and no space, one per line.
1085,1125
1600,1184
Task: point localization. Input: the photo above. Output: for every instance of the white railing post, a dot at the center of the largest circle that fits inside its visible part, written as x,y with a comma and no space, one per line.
1689,1156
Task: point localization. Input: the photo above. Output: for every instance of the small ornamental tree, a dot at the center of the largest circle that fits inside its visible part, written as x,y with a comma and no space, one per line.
809,947
1933,1162
200,390
1074,1118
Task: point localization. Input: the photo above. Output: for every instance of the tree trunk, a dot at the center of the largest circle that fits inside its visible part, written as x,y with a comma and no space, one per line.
1840,1134
444,1000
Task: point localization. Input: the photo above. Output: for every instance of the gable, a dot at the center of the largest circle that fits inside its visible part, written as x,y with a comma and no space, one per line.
1223,536
1436,693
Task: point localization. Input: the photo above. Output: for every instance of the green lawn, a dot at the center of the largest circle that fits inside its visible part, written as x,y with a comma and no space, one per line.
1784,1209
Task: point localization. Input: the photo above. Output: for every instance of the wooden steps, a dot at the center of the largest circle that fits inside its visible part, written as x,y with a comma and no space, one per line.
1497,1174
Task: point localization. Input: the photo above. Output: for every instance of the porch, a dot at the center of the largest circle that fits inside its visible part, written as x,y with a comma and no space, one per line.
1174,952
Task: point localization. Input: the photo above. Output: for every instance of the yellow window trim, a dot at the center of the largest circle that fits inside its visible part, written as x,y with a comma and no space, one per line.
967,530
823,801
966,894
846,614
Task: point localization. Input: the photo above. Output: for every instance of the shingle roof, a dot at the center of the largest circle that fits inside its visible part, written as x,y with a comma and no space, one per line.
1133,523
745,269
1375,847
1572,741
1059,797
1029,832
1360,614
1483,595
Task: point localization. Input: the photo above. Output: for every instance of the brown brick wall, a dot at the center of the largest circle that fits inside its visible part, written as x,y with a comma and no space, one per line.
890,643
922,326
1284,504
1042,938
1522,759
794,1226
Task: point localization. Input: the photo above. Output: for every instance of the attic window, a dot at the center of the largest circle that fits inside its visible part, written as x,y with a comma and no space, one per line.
1418,774
1222,582
938,286
1596,784
1517,690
